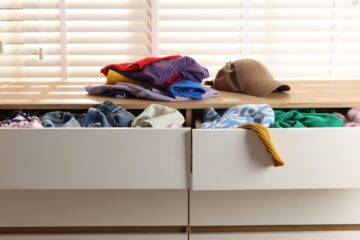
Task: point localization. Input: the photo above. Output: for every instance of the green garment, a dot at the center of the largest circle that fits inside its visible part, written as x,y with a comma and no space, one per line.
158,116
301,119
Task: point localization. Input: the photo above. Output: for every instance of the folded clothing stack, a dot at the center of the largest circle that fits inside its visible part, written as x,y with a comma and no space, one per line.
170,78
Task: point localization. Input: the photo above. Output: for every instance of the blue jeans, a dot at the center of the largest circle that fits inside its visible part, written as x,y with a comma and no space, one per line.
106,115
59,119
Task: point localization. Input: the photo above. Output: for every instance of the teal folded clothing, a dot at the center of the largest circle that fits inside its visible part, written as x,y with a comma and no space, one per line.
187,88
305,118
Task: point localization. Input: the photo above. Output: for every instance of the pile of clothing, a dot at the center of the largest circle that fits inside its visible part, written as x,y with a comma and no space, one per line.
106,115
263,114
260,117
21,119
170,78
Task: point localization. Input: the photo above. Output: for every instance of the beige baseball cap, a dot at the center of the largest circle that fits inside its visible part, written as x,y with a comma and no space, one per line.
248,76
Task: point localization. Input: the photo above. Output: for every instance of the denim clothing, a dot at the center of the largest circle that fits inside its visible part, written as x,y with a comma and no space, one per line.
106,115
239,115
93,118
59,119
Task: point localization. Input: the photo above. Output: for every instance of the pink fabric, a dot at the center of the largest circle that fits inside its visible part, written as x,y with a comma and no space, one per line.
33,123
352,118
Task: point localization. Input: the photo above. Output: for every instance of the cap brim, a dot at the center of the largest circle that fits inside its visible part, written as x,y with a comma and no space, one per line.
267,88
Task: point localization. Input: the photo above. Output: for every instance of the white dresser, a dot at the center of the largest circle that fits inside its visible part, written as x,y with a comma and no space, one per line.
177,184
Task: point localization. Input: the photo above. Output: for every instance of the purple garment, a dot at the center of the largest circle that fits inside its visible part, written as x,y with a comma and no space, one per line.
123,90
159,73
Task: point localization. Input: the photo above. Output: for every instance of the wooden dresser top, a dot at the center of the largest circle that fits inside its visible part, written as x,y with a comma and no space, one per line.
71,95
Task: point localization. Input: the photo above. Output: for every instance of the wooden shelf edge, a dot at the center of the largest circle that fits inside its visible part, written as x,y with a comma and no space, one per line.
275,228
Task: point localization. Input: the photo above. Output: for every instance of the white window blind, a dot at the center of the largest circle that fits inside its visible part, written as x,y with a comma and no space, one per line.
349,40
103,32
26,27
308,39
11,40
293,38
90,35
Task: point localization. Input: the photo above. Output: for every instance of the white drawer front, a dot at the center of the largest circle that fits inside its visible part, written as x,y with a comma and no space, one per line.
317,158
94,158
351,235
277,207
42,208
96,237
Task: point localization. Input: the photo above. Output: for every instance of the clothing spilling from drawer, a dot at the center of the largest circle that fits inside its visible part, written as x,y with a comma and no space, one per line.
106,115
263,114
254,117
259,117
171,78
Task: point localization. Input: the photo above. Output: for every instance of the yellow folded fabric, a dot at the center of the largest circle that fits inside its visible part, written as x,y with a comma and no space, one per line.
114,77
264,135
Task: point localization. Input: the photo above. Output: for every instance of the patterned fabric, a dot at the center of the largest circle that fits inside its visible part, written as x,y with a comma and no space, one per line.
351,119
239,115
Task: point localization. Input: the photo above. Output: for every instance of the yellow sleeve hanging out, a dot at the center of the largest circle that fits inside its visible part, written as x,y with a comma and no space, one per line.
264,135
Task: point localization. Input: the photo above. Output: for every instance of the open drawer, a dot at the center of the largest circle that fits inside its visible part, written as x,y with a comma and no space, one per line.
114,158
315,158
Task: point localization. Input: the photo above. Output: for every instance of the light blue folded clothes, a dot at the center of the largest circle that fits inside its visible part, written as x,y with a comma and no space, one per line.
239,115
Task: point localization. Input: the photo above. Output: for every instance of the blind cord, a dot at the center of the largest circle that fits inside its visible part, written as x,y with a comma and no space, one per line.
246,28
41,49
1,42
336,38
